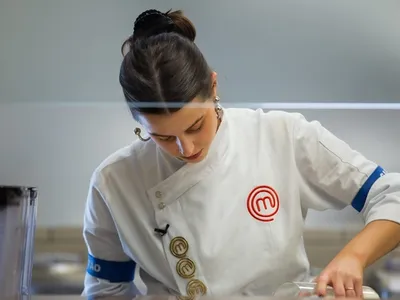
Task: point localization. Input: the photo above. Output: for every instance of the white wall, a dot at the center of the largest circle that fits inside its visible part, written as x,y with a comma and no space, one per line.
61,109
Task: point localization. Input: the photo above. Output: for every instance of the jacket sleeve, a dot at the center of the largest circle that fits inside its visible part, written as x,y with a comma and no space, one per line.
110,272
333,175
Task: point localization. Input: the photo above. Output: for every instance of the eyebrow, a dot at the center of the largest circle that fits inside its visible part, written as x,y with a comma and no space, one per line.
163,135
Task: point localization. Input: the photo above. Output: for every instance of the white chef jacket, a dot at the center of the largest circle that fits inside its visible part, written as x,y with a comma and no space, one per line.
236,219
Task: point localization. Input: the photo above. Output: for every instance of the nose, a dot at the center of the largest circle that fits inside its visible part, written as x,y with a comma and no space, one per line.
186,146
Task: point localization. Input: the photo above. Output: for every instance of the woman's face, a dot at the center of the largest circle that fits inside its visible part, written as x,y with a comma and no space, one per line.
186,134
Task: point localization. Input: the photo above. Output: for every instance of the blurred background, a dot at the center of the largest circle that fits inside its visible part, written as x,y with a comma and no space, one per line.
62,110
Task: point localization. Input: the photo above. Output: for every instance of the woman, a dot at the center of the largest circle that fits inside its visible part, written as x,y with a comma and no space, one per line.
212,201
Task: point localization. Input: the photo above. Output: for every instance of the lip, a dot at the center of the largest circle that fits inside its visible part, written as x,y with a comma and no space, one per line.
197,155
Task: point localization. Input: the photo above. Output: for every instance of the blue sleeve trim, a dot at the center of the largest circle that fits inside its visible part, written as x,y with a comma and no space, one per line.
113,271
361,197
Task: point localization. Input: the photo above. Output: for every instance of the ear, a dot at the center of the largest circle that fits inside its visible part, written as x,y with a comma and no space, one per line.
136,116
214,84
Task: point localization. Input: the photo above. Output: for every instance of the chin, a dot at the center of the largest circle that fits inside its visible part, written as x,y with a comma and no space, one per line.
197,159
194,161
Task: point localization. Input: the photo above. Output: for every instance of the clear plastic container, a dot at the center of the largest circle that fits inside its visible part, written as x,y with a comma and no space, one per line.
18,211
306,289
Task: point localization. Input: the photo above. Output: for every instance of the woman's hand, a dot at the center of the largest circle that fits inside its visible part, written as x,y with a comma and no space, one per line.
345,274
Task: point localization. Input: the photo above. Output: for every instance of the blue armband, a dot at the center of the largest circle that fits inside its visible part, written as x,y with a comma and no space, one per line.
113,271
361,197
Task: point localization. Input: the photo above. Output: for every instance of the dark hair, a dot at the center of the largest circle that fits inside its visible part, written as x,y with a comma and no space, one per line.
163,65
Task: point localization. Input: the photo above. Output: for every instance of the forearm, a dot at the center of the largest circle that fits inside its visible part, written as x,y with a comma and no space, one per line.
376,240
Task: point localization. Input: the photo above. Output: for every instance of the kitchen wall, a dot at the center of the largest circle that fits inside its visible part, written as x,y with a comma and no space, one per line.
62,112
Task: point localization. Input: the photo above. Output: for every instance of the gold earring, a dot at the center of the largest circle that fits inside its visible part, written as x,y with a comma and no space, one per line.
218,108
138,132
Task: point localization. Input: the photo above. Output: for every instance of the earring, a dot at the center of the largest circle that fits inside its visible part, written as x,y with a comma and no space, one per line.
218,108
138,132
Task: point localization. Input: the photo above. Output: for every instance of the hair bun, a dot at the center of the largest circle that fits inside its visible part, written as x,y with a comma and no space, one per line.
152,22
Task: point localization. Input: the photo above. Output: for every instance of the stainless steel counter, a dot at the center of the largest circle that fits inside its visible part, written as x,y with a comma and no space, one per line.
52,297
74,297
